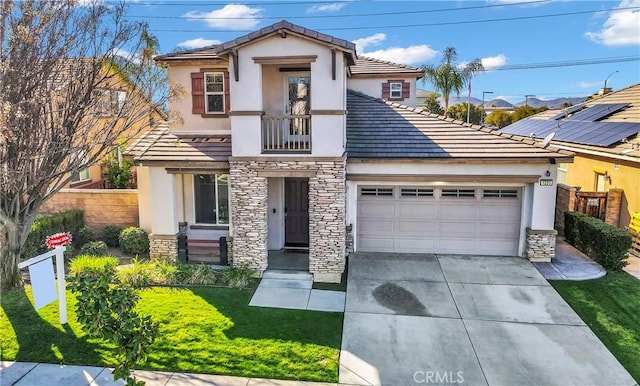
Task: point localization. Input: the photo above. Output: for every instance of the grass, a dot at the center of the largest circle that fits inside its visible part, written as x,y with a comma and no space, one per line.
610,306
202,330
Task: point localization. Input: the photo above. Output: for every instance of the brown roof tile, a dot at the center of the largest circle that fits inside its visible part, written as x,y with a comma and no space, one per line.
371,66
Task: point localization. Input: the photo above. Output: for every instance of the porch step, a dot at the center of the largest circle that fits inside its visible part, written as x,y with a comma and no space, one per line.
287,274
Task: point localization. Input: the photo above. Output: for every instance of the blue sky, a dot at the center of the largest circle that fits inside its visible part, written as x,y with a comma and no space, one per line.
502,33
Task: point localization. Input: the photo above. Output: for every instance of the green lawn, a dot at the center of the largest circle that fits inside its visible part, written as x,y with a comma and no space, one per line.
611,308
202,330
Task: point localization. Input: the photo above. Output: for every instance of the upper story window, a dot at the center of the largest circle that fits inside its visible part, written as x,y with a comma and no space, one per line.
210,93
109,102
214,92
395,90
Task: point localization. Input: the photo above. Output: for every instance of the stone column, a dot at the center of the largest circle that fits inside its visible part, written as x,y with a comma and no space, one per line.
612,211
249,215
163,205
163,246
541,244
327,232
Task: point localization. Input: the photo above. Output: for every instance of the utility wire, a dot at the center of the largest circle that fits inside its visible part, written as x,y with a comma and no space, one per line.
204,18
568,63
416,25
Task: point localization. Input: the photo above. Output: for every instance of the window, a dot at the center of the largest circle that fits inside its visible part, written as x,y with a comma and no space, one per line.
214,92
416,192
600,181
109,102
82,175
376,191
562,173
458,193
500,193
395,90
211,198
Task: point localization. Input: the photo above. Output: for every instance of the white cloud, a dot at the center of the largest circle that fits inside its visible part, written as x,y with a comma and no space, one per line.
331,7
373,40
198,42
408,55
493,62
622,28
589,85
231,16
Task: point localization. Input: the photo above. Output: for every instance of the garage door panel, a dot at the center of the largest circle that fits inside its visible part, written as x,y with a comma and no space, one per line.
436,224
415,228
377,227
416,210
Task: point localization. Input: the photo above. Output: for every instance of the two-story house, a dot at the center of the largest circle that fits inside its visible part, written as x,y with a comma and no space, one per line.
289,139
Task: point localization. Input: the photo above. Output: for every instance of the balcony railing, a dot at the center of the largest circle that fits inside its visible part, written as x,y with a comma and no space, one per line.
286,133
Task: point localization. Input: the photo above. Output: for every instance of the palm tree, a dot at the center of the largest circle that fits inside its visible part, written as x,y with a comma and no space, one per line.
448,76
468,72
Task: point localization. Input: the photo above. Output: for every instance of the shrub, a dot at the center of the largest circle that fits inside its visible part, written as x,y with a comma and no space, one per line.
199,274
134,240
239,276
111,235
85,235
43,226
606,244
571,226
106,310
94,248
136,274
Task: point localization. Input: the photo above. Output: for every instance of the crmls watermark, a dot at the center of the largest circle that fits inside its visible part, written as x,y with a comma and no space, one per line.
429,376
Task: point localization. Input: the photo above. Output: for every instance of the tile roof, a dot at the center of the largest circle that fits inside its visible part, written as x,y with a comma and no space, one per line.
160,145
285,25
368,66
379,129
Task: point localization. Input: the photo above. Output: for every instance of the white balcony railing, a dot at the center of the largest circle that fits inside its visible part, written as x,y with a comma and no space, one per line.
286,133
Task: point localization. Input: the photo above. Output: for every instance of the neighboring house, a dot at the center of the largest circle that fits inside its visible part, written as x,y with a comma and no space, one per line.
604,135
285,142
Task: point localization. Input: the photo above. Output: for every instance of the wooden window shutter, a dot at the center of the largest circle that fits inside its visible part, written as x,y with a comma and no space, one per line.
385,90
197,92
406,90
227,99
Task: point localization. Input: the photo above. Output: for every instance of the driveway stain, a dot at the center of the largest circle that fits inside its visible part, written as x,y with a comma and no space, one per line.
399,300
520,295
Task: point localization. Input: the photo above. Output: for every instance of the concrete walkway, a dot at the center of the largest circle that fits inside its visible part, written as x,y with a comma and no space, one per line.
633,268
570,264
46,374
293,290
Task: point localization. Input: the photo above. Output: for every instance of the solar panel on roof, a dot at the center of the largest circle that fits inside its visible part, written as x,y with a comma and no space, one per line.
568,111
598,112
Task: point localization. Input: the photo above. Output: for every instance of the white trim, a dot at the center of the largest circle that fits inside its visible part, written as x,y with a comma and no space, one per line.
598,153
391,96
207,93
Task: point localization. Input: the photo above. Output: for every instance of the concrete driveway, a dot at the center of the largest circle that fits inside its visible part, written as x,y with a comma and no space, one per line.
424,319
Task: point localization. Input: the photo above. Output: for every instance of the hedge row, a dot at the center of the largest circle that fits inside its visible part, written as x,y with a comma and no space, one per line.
606,244
43,226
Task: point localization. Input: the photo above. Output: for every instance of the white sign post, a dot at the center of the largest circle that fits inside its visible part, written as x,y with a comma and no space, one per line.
41,273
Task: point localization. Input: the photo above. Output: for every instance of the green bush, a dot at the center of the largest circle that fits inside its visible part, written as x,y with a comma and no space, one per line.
94,248
571,226
134,240
198,274
136,274
43,226
85,235
111,235
239,276
606,244
92,265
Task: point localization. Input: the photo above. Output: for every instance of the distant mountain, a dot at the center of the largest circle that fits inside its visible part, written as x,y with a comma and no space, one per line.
475,101
552,103
497,103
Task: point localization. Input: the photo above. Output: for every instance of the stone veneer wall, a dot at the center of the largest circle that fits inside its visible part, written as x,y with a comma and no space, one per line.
541,245
327,191
163,246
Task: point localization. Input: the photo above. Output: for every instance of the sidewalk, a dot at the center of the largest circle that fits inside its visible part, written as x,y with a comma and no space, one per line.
570,264
633,268
46,374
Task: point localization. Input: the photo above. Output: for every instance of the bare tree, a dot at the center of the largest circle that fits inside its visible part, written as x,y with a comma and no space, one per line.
60,64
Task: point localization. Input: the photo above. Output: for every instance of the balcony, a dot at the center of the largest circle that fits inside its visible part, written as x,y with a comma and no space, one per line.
286,134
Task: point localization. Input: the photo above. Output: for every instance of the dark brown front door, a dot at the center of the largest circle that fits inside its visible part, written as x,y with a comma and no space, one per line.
296,206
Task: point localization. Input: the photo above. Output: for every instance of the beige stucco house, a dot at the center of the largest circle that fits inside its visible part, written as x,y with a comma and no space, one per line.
290,140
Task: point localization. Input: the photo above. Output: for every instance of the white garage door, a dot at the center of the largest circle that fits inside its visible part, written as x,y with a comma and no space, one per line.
463,220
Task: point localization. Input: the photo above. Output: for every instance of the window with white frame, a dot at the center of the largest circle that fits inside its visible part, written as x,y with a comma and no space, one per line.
79,176
211,193
395,90
562,173
214,92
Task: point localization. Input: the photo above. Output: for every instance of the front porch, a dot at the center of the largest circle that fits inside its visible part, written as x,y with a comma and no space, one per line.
288,259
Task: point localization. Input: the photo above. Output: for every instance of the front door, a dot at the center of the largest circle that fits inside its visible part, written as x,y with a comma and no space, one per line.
296,209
